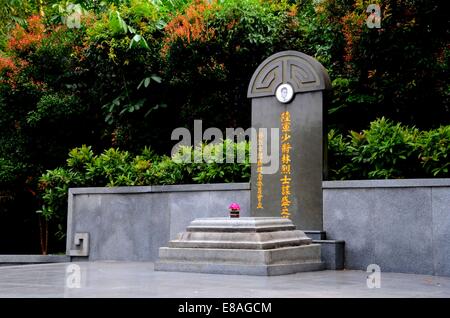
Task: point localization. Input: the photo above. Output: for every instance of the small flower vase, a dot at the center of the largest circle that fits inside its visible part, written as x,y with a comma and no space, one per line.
234,210
234,213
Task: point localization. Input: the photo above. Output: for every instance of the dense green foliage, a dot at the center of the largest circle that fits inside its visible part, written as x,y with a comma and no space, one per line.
115,167
125,73
389,150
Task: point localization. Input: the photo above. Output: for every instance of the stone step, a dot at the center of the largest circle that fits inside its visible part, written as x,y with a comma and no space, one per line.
238,269
297,254
245,224
239,245
246,240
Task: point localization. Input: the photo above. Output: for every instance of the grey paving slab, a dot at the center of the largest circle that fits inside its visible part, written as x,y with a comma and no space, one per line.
138,279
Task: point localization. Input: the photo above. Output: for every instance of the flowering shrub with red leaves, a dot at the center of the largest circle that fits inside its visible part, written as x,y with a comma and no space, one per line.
352,27
7,65
191,25
23,39
10,70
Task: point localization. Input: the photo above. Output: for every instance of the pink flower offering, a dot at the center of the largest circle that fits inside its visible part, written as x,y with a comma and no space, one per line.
234,206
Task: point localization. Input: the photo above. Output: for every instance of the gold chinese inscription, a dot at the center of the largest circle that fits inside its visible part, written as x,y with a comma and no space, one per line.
285,170
259,167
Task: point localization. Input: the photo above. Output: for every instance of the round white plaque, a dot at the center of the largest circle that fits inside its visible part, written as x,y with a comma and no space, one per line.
284,93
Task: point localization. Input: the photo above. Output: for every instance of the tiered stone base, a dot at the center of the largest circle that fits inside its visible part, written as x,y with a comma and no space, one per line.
247,246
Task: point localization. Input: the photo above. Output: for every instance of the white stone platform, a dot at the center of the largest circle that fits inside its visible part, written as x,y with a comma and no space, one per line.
249,246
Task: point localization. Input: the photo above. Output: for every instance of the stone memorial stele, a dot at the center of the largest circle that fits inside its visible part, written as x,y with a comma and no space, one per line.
287,93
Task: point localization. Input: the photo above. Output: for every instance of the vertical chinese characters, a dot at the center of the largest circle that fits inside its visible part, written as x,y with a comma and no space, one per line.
285,179
259,166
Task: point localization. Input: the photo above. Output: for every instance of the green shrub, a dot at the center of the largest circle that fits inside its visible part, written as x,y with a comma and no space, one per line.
339,157
54,108
385,150
10,171
434,147
116,167
212,166
389,150
56,184
80,158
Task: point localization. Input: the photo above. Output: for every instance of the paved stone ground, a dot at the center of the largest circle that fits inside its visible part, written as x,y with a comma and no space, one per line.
125,279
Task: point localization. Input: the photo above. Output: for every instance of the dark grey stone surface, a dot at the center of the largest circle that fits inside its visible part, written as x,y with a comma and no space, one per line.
110,190
163,188
400,228
440,198
156,232
201,187
9,260
121,226
391,183
347,217
316,235
220,199
333,253
308,79
187,206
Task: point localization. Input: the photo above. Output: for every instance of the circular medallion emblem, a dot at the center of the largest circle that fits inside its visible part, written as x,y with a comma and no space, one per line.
284,93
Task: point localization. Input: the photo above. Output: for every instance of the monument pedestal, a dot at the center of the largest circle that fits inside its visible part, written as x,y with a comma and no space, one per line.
247,246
